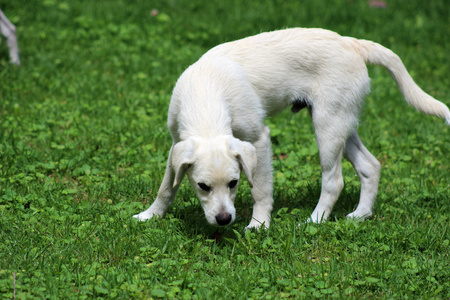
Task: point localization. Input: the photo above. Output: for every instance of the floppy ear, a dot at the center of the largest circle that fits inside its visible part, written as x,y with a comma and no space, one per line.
245,153
182,158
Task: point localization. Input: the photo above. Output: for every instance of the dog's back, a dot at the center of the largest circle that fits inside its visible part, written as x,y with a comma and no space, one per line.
295,64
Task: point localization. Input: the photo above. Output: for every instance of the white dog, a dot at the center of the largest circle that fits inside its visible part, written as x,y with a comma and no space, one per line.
219,103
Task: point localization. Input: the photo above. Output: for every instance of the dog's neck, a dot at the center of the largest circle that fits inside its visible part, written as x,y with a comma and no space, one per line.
203,109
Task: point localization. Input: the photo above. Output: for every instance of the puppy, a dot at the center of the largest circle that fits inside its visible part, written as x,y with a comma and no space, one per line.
219,103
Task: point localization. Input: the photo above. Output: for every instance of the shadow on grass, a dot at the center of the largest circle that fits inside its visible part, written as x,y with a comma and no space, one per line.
299,204
307,198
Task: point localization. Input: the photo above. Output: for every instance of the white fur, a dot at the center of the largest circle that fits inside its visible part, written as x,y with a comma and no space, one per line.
219,103
9,31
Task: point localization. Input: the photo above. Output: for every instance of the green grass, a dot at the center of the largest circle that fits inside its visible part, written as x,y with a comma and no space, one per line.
83,144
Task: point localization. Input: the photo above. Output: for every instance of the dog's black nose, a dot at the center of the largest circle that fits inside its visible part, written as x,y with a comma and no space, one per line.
223,218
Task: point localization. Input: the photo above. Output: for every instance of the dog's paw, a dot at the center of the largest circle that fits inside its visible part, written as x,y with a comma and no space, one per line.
145,215
359,215
140,217
254,228
256,225
317,218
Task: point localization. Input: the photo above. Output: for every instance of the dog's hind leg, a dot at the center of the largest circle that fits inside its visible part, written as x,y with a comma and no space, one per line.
368,169
262,191
331,132
165,197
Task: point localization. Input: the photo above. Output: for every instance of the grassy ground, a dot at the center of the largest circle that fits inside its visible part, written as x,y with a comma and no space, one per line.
83,144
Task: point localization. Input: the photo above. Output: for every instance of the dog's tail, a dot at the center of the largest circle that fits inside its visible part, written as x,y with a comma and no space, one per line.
374,53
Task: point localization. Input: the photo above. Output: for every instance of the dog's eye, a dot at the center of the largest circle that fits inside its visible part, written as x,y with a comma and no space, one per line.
232,184
204,187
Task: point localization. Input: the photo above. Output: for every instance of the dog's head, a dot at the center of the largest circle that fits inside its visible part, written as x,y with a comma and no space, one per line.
214,168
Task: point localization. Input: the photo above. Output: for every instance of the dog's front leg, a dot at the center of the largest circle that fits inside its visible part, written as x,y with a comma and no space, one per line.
165,196
262,191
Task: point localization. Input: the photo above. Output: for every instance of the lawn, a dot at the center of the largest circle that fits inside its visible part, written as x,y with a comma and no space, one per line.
83,147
